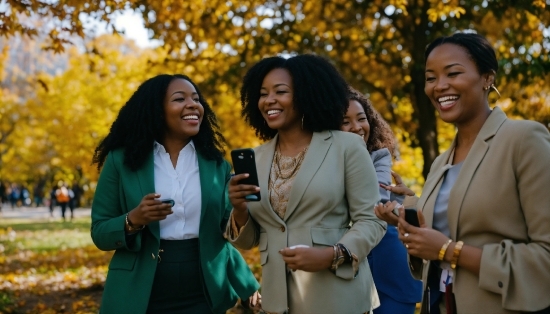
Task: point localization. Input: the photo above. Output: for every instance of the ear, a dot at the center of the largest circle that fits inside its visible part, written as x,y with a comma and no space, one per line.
489,78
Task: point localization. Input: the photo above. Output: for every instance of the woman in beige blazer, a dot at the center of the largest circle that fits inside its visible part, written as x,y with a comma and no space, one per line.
485,208
315,222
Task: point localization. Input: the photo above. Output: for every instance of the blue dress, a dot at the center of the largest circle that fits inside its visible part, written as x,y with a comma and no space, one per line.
398,290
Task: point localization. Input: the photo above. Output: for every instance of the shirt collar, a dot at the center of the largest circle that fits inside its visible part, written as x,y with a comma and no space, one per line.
159,148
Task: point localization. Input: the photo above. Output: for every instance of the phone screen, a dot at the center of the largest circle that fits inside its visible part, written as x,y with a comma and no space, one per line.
244,161
412,217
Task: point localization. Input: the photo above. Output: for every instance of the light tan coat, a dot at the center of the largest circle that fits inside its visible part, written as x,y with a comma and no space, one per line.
336,185
501,204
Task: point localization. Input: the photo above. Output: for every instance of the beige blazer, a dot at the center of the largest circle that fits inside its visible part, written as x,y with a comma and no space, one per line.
501,204
336,185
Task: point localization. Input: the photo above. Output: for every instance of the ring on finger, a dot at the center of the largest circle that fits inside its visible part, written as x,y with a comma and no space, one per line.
406,234
406,246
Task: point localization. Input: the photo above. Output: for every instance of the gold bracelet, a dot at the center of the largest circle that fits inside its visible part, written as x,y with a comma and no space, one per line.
444,249
456,253
130,226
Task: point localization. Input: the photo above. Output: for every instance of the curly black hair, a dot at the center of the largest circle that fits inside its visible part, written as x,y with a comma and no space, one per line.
140,122
380,135
320,93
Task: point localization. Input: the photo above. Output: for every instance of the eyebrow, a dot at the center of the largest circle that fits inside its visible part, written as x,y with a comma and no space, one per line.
182,92
447,66
278,85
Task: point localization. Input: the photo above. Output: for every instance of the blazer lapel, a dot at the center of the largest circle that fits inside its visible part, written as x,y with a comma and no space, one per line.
318,148
207,177
146,178
469,168
264,158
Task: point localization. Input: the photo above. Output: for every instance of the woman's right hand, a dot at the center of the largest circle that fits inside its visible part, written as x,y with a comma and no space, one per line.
399,188
388,212
237,194
149,209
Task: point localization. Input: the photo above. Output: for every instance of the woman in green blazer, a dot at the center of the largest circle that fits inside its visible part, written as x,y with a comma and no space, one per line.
170,257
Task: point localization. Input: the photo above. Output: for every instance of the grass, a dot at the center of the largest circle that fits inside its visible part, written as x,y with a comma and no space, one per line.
54,267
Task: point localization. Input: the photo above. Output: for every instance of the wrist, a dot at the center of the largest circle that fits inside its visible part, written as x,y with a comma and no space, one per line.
449,253
130,226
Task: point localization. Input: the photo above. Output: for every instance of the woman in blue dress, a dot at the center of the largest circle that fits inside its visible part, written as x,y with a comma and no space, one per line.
398,290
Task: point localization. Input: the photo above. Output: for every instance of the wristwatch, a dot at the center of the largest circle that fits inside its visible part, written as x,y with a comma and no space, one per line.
130,226
337,259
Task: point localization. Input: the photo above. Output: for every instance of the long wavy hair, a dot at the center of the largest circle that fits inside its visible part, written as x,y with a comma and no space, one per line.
140,122
381,135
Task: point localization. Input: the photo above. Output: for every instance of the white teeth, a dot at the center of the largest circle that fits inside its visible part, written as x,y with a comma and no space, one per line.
447,100
191,117
270,112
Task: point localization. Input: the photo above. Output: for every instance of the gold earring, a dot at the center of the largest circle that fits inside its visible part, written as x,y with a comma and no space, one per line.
302,122
495,88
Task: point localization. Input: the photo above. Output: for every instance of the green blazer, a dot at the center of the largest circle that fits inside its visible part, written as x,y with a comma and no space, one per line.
132,269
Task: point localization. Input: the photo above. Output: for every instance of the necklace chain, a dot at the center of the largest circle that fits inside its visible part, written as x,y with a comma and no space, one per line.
297,164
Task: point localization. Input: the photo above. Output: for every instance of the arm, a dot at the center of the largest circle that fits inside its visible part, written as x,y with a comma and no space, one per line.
381,160
108,217
519,270
361,186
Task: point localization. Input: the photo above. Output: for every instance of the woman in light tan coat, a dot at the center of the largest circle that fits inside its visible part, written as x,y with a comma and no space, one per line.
485,208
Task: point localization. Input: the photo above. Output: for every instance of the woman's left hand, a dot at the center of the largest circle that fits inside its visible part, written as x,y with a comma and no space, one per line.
421,242
309,259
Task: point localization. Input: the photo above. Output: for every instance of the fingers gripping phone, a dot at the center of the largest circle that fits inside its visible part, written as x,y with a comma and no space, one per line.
244,161
411,217
168,201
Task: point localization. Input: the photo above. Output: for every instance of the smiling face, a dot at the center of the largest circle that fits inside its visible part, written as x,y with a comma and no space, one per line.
182,111
355,120
276,104
454,84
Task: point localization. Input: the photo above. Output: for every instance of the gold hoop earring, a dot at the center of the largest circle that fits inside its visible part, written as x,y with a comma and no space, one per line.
495,88
302,122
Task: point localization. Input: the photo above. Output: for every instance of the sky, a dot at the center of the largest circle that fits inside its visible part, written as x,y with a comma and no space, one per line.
132,24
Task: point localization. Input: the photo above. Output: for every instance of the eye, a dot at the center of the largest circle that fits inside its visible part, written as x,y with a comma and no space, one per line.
281,92
345,123
430,79
454,74
181,99
263,94
362,119
196,100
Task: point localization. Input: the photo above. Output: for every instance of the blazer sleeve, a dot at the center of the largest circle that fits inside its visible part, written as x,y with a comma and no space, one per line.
518,271
108,216
381,160
361,186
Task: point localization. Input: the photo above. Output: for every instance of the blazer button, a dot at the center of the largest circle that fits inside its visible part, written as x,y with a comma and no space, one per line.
152,256
500,284
118,243
282,228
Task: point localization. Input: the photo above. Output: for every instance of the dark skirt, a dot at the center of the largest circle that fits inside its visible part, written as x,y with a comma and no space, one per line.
178,286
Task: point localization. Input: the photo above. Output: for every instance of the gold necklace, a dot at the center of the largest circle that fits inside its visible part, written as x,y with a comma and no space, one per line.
298,162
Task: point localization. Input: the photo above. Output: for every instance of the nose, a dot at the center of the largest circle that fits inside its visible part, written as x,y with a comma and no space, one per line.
355,127
269,98
441,84
190,103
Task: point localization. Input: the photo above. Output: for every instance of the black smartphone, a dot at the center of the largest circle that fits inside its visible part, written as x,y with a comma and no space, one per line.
412,217
168,201
244,161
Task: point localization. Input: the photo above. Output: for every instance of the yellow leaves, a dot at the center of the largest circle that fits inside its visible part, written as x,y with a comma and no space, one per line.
539,3
444,9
